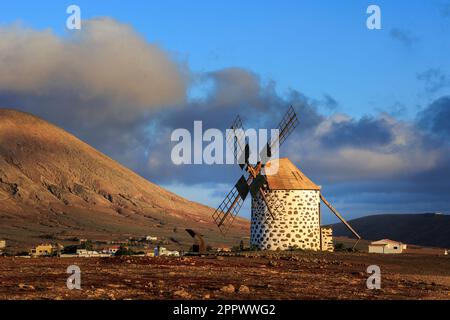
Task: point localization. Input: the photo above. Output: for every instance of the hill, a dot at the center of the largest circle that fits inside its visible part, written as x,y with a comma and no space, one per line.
426,229
54,187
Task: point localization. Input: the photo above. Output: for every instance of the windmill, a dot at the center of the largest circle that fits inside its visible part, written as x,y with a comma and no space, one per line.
285,205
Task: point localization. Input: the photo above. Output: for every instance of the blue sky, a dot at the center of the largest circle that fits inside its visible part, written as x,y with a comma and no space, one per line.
320,48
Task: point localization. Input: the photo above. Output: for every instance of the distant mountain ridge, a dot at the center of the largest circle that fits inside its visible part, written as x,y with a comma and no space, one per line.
426,229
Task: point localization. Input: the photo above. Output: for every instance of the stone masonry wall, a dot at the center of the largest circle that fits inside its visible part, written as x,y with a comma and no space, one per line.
327,239
298,226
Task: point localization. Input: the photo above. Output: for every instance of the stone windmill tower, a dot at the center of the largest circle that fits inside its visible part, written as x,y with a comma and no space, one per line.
298,225
286,212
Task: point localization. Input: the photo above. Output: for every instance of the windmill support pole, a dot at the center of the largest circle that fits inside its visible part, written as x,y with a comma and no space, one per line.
341,218
261,192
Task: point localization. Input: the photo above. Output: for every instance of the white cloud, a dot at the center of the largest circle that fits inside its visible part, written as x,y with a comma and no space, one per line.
105,60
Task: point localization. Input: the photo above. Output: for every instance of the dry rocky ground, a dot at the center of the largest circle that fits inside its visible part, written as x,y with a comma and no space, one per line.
302,275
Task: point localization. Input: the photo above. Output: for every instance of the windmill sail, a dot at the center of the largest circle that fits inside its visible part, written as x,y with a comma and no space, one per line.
226,212
231,205
236,140
287,125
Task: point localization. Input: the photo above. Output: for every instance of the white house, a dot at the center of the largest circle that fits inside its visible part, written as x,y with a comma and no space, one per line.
162,251
386,246
83,253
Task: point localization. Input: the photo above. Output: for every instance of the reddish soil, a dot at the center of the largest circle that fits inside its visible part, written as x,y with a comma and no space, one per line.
301,275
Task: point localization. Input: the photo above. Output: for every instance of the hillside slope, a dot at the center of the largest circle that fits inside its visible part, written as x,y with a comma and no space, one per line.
54,186
421,229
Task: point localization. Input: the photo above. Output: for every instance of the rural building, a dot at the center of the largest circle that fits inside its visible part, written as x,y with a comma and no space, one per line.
151,238
86,253
386,246
162,251
43,250
298,225
111,250
2,246
83,253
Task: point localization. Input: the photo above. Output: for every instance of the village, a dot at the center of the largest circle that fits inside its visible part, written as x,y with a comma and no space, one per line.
145,246
151,246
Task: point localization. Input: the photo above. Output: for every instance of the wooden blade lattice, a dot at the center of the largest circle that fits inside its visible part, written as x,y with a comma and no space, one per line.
226,212
287,125
236,138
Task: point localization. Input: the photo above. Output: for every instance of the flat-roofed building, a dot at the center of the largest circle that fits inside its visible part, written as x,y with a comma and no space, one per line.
387,246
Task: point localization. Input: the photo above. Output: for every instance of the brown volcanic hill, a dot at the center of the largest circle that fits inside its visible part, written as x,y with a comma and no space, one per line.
54,187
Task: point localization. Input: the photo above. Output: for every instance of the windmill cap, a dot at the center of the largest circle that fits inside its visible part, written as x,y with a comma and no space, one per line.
288,177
